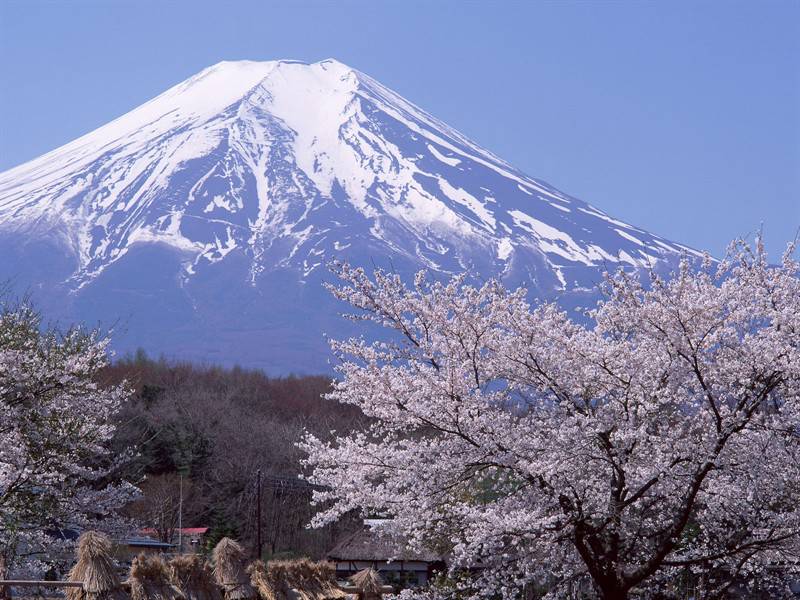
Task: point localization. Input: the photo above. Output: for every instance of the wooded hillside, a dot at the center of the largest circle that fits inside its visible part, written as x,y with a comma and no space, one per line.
218,427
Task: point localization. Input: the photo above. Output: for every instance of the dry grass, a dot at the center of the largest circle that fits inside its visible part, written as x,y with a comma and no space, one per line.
230,571
95,569
150,579
367,581
189,577
265,586
295,579
192,575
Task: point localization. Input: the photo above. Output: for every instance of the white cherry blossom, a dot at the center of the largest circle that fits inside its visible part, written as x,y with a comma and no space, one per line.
55,422
660,444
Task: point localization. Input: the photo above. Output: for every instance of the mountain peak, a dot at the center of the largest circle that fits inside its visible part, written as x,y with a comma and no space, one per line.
233,63
250,171
253,66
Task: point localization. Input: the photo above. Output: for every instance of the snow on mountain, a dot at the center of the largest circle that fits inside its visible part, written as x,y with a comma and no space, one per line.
204,218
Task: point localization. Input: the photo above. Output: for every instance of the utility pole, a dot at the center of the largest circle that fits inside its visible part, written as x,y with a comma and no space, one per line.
183,471
258,514
180,513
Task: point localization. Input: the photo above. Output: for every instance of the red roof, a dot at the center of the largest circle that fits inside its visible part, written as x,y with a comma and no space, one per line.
195,530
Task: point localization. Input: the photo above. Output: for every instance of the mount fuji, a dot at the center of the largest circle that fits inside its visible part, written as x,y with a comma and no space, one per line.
199,224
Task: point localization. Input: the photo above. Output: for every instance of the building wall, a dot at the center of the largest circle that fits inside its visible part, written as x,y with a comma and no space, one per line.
401,573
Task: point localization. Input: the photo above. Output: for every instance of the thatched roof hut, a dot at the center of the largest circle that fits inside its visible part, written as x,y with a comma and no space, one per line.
295,580
95,569
150,579
192,575
368,583
230,571
374,546
371,544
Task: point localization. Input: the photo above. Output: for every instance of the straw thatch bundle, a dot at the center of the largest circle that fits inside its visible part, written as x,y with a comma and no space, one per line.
192,575
150,579
265,586
95,569
295,579
368,583
230,571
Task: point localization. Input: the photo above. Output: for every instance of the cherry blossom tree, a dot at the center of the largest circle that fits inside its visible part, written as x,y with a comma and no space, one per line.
659,444
56,472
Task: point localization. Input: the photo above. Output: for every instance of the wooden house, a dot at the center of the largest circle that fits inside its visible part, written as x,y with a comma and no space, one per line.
397,566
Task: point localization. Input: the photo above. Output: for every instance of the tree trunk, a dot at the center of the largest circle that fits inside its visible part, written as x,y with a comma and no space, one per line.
5,593
611,590
613,594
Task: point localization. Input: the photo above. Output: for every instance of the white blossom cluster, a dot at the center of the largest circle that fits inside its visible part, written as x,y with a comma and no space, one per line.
656,447
56,472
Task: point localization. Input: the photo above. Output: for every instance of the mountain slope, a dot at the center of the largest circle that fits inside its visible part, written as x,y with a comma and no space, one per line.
203,219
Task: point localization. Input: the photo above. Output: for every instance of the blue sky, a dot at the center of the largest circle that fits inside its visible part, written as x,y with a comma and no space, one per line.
679,117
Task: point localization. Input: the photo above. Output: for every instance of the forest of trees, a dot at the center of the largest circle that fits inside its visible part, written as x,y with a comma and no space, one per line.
214,428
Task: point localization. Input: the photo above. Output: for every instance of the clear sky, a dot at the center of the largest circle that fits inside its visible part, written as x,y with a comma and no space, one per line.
679,117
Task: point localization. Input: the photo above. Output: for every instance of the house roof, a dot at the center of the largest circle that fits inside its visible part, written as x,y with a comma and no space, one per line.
370,544
146,542
194,530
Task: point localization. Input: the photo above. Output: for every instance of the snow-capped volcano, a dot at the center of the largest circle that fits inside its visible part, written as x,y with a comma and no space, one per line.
205,217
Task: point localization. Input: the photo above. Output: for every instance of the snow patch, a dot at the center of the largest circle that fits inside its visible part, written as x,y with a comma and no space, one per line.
551,240
471,202
441,157
525,190
504,248
629,237
170,235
